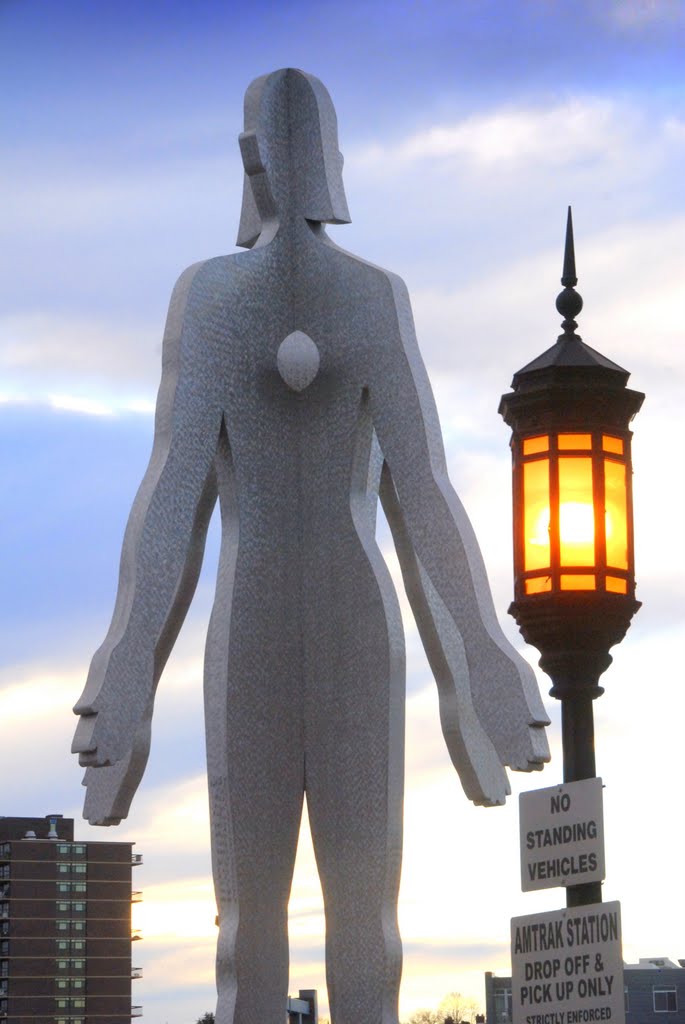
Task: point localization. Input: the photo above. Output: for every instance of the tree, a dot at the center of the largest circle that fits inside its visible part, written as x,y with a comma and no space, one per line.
453,1009
424,1017
456,1007
206,1018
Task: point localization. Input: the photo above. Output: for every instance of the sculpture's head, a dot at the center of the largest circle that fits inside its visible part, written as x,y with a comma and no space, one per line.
290,154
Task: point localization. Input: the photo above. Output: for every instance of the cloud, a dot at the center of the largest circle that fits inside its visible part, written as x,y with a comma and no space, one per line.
509,137
44,353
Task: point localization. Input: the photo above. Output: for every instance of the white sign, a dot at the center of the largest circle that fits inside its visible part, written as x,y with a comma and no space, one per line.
567,966
562,835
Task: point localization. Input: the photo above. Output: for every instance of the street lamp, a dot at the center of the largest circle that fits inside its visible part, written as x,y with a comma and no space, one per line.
574,574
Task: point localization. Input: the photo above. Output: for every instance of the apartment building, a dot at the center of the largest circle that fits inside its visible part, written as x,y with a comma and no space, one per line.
65,925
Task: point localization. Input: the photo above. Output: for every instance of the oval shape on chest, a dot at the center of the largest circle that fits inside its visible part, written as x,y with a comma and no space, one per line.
298,360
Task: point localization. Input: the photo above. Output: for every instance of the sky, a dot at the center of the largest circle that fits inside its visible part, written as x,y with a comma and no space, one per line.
467,128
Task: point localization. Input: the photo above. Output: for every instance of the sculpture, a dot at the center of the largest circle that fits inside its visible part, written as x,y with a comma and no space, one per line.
293,389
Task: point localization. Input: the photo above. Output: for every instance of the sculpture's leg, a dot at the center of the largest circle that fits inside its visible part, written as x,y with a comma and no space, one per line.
255,771
354,780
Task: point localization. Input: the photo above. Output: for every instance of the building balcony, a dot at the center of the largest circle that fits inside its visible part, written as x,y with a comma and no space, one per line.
136,1011
136,972
136,858
137,896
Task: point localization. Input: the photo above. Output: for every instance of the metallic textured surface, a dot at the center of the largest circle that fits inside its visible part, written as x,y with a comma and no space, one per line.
293,388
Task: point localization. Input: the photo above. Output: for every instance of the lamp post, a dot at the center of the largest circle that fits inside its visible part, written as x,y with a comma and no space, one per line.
574,575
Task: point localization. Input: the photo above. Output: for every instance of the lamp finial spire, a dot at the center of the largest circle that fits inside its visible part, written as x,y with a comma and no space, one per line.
569,302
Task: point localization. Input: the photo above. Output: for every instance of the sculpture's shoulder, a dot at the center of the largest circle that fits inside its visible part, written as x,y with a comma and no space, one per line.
382,282
200,279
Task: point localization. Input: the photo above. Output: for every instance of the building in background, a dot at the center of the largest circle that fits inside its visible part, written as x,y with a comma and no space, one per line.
304,1009
65,925
654,993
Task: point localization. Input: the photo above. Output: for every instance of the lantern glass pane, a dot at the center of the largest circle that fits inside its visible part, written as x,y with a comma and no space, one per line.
612,444
615,585
536,552
576,512
616,514
539,585
533,445
572,581
567,441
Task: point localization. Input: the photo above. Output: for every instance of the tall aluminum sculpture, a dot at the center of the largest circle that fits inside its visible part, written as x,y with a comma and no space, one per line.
293,389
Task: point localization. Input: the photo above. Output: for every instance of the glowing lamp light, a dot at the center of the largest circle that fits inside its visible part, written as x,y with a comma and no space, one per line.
572,507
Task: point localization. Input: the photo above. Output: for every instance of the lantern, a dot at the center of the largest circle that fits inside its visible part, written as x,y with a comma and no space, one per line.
574,577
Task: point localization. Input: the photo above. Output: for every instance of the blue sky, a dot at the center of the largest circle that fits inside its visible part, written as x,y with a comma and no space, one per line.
467,127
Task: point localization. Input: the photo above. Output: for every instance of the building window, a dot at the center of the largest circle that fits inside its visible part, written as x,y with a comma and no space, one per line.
4,850
4,948
78,908
77,964
78,926
5,871
79,849
79,886
4,910
4,968
665,1000
63,849
4,927
79,869
503,1006
61,983
64,868
61,1004
78,946
62,946
64,887
78,1004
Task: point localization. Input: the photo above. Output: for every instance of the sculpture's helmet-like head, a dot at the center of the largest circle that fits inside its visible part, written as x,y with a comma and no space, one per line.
290,154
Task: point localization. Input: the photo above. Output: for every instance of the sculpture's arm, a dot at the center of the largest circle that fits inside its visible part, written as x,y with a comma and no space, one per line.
162,550
444,570
480,770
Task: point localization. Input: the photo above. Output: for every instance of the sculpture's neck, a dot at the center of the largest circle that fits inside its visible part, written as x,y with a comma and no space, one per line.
290,228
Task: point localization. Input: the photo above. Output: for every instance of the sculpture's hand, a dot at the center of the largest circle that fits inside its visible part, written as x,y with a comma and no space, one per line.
481,774
113,705
110,790
507,702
